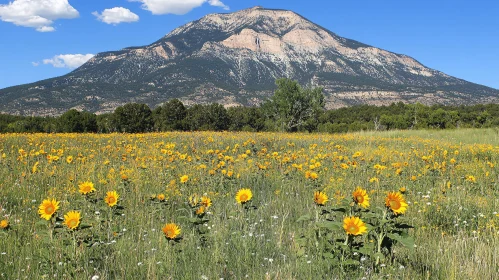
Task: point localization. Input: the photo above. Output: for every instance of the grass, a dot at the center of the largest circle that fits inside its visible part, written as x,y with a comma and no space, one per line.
450,176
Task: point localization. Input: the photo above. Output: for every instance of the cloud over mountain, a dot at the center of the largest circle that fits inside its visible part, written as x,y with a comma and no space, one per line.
177,7
68,60
116,15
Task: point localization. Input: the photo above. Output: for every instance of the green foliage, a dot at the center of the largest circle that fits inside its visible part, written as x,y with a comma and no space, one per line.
292,106
132,118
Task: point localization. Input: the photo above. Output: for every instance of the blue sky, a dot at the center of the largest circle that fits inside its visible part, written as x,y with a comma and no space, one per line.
41,39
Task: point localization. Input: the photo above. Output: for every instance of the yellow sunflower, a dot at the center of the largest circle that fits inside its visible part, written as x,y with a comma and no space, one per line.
360,197
243,196
171,231
184,179
4,224
161,197
48,208
86,187
111,198
320,198
201,210
354,226
206,201
396,202
72,219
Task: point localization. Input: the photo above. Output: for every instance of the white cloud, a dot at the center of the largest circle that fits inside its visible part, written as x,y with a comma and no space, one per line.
68,60
38,14
35,63
177,7
116,15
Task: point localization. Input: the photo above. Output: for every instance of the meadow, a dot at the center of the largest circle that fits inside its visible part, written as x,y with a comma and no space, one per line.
206,205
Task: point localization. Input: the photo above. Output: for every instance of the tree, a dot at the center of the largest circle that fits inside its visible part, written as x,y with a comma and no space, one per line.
133,118
70,121
291,106
170,116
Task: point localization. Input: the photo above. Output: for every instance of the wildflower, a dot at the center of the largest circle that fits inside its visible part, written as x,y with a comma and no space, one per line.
354,226
184,179
111,198
86,187
206,201
396,202
243,196
320,198
161,197
471,178
313,176
193,200
201,210
402,190
373,179
360,197
171,231
48,208
72,219
4,224
69,159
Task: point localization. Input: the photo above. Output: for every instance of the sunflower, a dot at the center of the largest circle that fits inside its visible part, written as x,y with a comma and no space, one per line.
4,224
354,226
320,198
396,202
243,196
69,159
184,179
205,201
201,210
48,208
171,231
360,197
72,219
86,187
111,198
161,197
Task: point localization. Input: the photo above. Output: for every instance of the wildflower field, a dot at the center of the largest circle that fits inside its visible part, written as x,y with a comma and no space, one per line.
205,205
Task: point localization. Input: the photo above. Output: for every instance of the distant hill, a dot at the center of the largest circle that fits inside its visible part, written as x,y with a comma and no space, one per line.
234,59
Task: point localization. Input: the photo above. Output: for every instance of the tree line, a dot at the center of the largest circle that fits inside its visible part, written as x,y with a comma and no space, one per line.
292,109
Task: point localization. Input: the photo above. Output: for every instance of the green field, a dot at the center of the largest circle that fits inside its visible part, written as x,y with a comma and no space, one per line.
449,180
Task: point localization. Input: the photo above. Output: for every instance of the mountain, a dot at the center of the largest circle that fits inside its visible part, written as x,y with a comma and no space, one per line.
234,59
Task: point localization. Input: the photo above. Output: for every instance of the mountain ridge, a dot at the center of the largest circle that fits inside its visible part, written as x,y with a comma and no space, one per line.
234,59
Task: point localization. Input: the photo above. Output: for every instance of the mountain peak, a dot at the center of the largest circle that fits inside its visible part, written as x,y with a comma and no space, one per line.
234,59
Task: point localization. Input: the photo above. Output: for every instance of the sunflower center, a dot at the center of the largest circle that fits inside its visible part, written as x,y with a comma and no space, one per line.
353,229
244,197
169,232
394,204
112,200
72,223
49,209
360,199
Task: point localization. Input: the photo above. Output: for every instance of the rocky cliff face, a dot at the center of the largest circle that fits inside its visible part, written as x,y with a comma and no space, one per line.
234,59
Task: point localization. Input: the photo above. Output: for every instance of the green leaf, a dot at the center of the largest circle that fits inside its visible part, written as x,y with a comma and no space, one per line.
84,226
367,215
350,262
330,225
339,209
403,225
404,239
328,255
304,218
